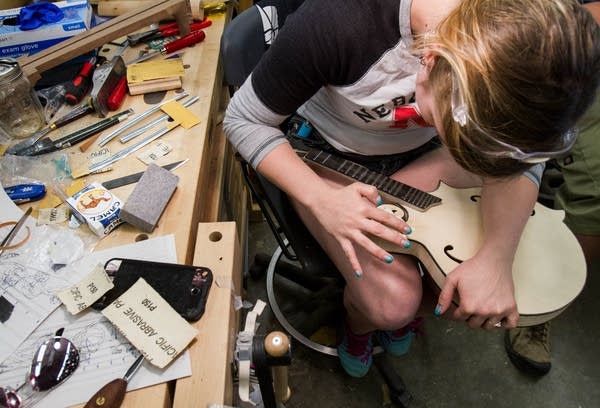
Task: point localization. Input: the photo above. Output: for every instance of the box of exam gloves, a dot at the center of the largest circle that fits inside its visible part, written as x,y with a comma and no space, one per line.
39,25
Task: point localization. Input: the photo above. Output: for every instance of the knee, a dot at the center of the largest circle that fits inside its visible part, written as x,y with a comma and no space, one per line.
395,306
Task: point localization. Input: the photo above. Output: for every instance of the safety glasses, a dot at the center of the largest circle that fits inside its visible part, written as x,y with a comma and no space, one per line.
499,148
54,361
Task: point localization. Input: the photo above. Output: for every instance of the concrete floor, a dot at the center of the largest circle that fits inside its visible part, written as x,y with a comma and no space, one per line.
450,365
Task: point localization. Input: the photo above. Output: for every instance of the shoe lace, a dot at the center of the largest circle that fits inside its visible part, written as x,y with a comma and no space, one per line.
540,332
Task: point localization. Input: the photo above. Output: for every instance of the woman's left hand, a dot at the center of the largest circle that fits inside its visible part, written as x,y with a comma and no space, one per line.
486,293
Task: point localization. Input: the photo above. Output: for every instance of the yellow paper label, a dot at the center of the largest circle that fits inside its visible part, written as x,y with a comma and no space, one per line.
75,186
79,297
150,323
145,71
181,114
50,200
49,216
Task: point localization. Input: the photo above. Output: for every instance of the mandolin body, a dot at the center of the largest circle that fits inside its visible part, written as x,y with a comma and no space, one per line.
549,269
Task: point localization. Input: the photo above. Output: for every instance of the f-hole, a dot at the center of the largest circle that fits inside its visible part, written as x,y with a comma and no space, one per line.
447,250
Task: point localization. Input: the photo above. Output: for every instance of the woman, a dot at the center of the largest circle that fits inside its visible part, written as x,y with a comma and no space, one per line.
500,82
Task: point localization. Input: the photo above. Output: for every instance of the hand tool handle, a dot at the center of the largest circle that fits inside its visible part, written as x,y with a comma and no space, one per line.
78,87
192,38
84,133
174,30
117,96
113,393
109,396
22,193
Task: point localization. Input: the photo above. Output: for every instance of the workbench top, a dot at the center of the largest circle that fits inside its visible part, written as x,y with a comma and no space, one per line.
195,201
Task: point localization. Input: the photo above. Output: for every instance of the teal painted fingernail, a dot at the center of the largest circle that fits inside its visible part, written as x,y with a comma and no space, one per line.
358,274
406,244
438,310
389,259
379,200
407,230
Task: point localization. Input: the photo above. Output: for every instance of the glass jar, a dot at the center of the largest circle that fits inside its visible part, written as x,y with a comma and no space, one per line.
21,112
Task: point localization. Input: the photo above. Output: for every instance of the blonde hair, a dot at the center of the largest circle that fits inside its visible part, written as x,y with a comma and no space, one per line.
525,71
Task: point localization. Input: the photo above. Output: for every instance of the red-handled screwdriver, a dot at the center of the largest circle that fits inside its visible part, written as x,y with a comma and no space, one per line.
192,38
165,30
76,89
171,31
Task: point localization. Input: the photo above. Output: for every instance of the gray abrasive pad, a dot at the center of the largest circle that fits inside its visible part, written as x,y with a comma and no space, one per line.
149,198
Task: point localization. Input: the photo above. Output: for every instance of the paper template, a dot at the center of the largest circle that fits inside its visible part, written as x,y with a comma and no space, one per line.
105,354
27,285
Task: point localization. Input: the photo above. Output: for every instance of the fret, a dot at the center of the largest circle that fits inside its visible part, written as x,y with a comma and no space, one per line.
421,200
377,180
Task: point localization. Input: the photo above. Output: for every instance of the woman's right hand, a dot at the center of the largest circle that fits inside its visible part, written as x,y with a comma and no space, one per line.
350,215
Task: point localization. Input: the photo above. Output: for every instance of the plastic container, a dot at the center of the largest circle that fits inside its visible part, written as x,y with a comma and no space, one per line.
21,112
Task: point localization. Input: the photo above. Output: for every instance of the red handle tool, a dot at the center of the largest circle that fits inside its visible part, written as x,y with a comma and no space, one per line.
78,87
165,30
192,38
169,30
116,97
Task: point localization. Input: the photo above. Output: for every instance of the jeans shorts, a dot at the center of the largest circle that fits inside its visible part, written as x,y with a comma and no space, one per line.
302,134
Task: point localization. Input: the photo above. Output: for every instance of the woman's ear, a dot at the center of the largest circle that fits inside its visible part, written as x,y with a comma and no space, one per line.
427,60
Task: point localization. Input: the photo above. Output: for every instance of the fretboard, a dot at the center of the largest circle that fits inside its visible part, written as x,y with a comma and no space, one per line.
413,197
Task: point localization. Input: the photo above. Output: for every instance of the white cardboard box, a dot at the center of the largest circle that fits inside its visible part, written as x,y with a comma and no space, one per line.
15,42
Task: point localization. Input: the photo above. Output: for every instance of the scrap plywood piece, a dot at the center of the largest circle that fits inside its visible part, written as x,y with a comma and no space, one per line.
64,51
217,248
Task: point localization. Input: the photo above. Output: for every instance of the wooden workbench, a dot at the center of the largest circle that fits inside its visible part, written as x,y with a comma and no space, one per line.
197,199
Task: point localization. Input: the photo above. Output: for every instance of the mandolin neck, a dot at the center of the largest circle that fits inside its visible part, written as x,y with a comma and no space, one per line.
411,196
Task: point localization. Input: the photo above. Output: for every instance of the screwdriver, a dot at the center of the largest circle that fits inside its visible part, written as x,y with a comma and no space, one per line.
165,30
79,87
192,38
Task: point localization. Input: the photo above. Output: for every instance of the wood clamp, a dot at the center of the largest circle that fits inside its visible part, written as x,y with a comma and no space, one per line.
271,355
35,64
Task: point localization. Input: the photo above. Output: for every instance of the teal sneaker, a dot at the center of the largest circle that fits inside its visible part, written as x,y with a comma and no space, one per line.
397,342
356,353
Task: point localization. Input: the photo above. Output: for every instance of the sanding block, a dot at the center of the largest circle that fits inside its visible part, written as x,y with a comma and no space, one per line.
149,198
